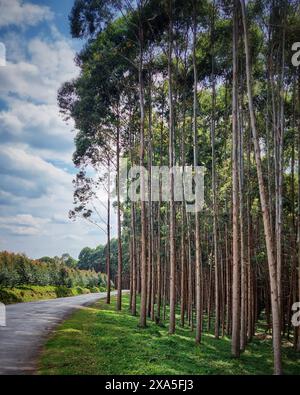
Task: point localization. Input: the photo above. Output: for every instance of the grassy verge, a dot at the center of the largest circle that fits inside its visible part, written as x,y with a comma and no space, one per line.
99,340
33,292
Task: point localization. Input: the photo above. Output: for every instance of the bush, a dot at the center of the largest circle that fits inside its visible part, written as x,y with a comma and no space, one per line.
7,296
94,290
36,292
82,291
62,292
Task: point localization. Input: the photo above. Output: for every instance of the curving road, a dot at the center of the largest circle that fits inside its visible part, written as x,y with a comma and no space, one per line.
28,325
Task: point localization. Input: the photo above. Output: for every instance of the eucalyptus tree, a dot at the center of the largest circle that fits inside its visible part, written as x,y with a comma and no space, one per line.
93,100
235,197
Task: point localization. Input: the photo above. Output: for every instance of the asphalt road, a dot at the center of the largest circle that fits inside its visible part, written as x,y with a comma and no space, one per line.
28,326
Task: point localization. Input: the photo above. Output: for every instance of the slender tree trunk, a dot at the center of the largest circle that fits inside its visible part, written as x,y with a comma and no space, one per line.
150,283
197,219
134,259
298,329
182,278
108,237
235,349
119,295
171,164
243,336
165,296
214,187
228,284
159,269
280,175
183,222
143,257
293,276
190,272
249,267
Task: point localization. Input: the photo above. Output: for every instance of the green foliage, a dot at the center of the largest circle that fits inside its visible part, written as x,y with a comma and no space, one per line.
36,292
94,289
95,258
17,270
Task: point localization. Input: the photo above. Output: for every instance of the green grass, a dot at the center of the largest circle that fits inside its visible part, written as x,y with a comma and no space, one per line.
99,340
29,293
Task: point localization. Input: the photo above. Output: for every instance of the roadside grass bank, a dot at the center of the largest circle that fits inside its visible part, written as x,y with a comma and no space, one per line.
99,340
30,293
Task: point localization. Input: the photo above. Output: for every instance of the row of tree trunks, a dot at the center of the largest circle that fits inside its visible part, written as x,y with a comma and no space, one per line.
230,288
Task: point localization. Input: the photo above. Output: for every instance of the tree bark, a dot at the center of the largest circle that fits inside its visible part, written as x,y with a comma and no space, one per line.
120,263
214,186
171,179
235,347
108,237
198,273
143,258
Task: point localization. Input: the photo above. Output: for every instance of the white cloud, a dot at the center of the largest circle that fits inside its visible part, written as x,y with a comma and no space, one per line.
39,77
19,13
14,44
24,220
19,163
23,224
55,60
39,125
29,87
10,122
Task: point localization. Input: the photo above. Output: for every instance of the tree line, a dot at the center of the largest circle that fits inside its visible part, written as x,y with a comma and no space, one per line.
96,259
189,83
18,270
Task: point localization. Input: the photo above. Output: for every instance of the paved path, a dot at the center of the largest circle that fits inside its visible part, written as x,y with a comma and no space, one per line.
29,324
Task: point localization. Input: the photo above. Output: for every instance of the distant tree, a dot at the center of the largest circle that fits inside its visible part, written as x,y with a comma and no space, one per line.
68,260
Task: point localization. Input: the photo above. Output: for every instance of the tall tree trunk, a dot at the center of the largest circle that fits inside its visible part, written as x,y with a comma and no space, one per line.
150,283
108,237
298,329
182,236
235,348
182,264
120,263
134,260
190,272
228,284
143,258
280,131
171,164
243,337
198,273
214,186
159,269
249,266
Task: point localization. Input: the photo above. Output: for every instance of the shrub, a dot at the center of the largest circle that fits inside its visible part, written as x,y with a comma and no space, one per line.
94,290
62,292
82,291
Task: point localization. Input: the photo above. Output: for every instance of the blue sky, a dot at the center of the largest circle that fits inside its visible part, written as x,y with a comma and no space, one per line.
36,146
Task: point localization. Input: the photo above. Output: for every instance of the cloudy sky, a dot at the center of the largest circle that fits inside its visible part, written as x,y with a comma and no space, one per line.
36,146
